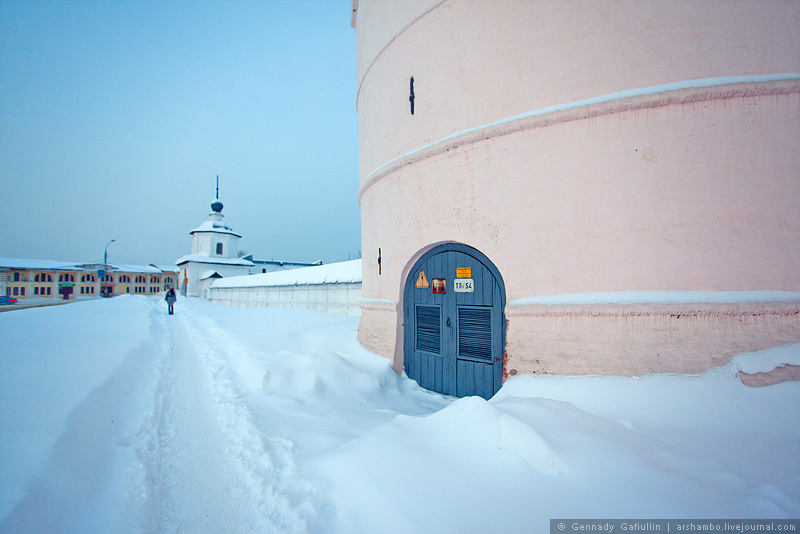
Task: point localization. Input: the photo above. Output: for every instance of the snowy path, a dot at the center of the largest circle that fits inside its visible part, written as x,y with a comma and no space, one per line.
165,444
206,462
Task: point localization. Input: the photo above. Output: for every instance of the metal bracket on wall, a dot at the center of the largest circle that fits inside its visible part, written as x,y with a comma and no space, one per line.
411,94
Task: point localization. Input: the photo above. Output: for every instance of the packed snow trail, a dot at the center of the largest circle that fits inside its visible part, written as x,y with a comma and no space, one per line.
221,455
187,460
207,466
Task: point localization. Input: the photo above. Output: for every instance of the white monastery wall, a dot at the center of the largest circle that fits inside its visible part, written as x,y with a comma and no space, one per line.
334,288
194,270
690,186
334,299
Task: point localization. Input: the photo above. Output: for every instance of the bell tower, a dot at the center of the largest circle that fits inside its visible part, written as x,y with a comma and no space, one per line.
214,249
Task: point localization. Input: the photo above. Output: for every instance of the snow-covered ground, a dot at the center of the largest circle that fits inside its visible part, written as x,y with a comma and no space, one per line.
115,417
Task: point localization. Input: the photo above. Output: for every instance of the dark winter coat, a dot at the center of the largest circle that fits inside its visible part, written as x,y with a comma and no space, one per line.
171,297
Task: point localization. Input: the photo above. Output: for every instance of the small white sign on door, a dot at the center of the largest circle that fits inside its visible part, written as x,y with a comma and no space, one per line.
463,285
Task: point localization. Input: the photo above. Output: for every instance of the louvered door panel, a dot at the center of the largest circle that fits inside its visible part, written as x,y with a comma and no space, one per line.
475,333
428,333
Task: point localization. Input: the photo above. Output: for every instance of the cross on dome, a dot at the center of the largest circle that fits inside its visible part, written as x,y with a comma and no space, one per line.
216,205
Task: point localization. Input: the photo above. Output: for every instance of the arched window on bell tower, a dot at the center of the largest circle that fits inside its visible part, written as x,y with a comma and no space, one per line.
219,249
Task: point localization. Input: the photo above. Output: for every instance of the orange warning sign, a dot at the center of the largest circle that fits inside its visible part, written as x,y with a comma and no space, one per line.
422,280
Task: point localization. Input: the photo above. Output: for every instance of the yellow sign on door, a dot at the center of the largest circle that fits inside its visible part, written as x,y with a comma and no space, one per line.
422,280
464,272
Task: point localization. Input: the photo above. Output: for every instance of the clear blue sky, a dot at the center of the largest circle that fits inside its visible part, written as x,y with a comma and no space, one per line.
116,117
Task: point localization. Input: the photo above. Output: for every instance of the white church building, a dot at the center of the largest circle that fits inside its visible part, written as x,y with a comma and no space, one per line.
214,248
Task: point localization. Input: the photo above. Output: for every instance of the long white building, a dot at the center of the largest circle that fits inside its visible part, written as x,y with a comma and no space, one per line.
24,278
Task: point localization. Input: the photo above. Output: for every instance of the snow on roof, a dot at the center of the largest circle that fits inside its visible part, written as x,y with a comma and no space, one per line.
165,268
215,226
210,274
97,265
346,272
23,263
135,268
202,258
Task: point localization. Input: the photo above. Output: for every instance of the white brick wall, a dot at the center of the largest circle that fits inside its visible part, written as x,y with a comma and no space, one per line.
334,299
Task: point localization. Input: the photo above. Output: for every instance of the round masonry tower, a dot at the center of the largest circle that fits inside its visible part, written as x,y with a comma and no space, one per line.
587,187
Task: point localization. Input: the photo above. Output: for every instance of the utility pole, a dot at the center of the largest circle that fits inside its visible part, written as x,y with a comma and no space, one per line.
103,287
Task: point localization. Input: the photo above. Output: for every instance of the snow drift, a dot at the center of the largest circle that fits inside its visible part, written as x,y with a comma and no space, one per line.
118,418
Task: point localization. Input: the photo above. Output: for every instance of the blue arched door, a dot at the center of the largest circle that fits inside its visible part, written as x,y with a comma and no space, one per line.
454,324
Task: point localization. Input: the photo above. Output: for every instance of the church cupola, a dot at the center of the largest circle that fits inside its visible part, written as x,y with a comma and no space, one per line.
216,205
214,238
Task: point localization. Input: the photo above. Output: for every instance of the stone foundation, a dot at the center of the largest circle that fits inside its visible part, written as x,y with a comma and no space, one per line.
380,331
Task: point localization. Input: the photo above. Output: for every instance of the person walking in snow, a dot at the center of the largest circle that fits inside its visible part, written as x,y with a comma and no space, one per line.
170,298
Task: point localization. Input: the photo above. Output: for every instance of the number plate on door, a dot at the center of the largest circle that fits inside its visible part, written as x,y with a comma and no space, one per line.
463,285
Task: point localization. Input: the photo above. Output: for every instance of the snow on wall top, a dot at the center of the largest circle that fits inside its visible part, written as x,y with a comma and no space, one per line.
659,297
202,258
766,360
346,272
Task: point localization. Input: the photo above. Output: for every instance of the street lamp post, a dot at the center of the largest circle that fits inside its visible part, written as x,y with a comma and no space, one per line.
103,287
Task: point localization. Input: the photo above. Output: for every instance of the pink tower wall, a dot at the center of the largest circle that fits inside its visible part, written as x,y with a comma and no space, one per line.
694,186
